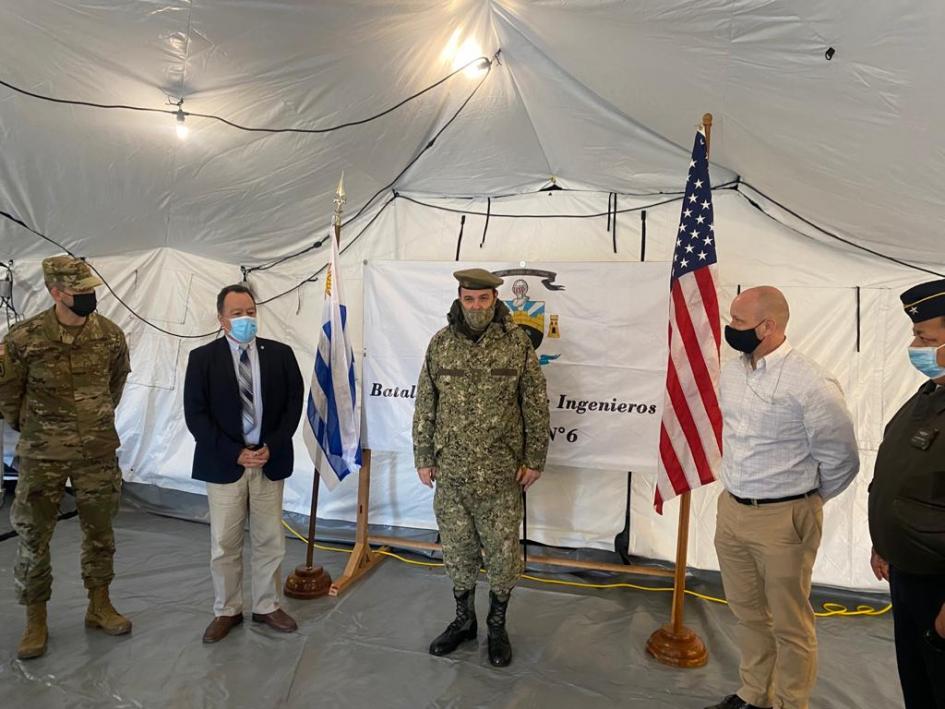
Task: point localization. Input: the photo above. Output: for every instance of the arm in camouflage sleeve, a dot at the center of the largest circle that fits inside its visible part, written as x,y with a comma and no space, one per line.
424,417
533,395
12,384
120,368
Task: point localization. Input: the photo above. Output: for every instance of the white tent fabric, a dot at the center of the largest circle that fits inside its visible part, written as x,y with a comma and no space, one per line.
602,96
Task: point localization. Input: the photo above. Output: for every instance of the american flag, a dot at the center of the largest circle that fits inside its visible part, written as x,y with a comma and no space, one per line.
691,430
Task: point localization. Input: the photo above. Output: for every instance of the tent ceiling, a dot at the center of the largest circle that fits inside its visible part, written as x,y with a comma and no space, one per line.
599,94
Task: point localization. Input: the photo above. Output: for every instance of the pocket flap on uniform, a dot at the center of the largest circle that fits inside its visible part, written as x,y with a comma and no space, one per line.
503,372
451,372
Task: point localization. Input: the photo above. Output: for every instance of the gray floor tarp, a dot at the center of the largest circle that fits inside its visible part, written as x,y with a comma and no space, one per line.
573,647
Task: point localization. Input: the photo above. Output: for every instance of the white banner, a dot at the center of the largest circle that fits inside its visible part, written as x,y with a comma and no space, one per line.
599,330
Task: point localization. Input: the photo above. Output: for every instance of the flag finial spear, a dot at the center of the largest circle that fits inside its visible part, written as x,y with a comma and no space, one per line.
340,199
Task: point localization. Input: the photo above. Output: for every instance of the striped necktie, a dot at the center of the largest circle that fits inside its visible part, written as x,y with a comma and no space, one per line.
246,391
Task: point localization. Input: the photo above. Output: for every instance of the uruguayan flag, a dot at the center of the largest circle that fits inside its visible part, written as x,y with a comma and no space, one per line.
332,428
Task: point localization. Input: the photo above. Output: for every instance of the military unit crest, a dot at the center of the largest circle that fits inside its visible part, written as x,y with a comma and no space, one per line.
530,314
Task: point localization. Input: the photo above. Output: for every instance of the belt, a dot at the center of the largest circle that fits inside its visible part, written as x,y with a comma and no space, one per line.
771,500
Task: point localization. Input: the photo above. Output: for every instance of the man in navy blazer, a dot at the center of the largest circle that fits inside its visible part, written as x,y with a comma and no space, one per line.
242,403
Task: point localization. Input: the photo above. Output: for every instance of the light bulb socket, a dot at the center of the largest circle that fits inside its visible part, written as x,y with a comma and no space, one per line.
180,115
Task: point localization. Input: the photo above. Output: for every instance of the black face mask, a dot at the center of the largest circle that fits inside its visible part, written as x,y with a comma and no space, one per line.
83,304
742,340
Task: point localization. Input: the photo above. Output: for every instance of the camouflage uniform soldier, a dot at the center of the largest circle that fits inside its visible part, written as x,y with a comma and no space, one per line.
65,372
480,430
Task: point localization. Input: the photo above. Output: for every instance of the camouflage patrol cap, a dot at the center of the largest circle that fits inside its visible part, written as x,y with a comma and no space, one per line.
477,279
70,273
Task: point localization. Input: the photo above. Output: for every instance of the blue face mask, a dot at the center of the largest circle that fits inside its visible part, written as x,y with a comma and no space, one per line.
243,329
925,360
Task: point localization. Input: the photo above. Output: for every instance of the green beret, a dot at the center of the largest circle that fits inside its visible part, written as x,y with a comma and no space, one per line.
70,273
477,279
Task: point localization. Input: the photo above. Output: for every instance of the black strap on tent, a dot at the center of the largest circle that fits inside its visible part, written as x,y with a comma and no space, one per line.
857,318
615,222
622,540
643,235
486,227
459,241
610,209
738,289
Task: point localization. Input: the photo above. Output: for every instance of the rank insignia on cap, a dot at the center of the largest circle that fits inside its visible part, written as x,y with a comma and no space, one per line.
924,301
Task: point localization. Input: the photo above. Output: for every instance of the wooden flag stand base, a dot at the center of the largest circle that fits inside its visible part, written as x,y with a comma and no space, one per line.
362,558
674,644
308,580
684,650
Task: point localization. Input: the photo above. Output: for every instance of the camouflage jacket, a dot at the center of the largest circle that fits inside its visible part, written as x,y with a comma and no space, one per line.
481,404
62,397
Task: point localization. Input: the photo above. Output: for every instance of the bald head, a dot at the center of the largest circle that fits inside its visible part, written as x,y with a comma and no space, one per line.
755,305
759,319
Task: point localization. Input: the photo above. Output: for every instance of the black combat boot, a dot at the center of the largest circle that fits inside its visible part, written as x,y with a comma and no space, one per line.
463,626
500,649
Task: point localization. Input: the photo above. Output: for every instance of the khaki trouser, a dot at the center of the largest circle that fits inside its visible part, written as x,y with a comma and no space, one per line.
261,498
766,554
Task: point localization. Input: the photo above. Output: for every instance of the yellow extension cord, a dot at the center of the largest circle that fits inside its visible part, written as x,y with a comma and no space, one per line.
829,608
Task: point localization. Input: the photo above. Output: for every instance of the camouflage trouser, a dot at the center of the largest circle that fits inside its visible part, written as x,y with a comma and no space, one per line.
473,517
39,489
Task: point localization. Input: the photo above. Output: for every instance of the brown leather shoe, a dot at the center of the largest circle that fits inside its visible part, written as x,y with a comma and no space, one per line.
220,627
277,620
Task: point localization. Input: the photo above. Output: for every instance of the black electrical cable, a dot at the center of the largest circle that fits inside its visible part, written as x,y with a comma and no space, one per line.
158,327
232,124
105,282
141,317
390,185
824,231
727,185
351,243
283,259
17,220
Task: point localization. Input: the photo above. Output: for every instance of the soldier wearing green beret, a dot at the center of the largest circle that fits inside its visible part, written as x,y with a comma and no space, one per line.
480,432
65,372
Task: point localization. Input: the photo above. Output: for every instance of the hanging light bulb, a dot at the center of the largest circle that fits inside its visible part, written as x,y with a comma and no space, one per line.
182,129
466,52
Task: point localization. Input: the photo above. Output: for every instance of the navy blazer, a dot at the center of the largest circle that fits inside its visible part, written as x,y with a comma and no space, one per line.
212,409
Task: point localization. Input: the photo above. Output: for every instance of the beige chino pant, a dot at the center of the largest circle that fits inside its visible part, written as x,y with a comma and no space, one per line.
766,554
260,498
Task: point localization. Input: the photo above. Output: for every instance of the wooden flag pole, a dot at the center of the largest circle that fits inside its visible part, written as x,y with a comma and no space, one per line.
311,581
675,644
